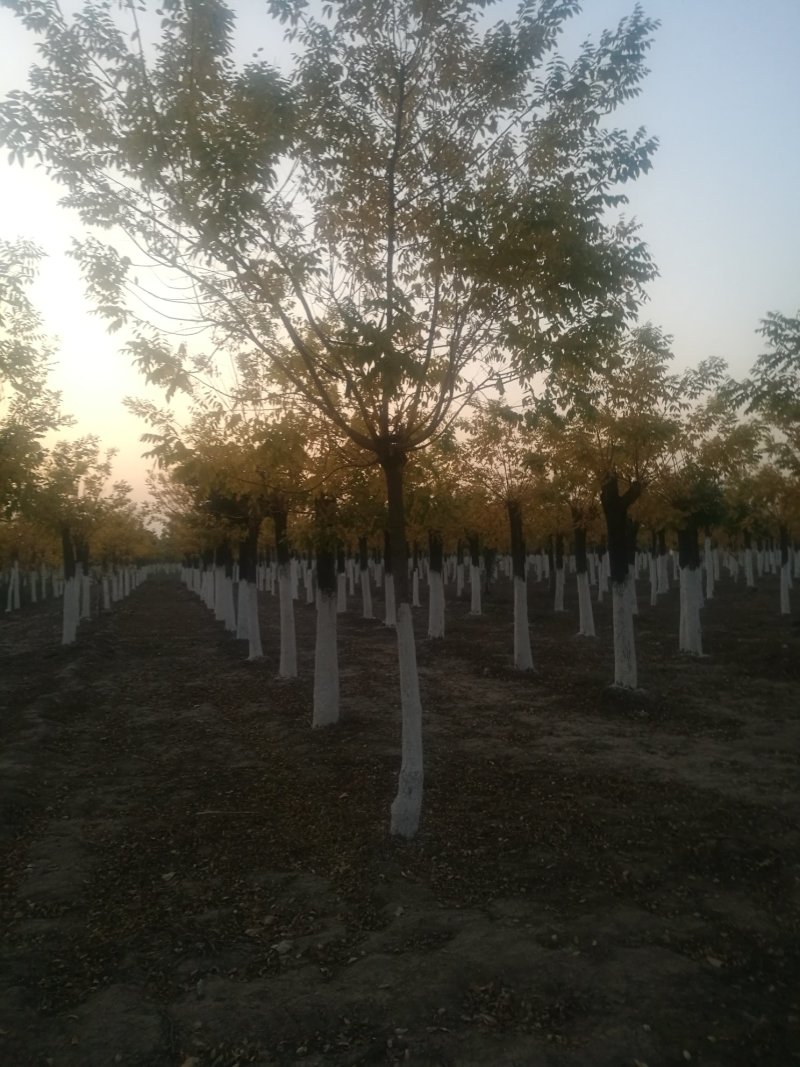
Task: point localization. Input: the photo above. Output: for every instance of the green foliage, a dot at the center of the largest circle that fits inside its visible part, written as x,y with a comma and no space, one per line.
28,408
426,197
773,387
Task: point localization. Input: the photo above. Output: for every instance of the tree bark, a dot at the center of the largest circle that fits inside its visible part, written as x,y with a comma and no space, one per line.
407,805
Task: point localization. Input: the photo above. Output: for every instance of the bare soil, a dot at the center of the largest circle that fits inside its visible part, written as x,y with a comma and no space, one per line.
192,876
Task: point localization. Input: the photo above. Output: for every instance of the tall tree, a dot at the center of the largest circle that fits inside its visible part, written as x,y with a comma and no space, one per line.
28,407
423,191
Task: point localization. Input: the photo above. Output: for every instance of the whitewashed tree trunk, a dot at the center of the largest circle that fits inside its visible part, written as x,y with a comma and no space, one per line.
326,662
250,609
786,584
585,612
288,656
625,671
366,594
475,589
690,632
12,598
415,601
460,579
86,596
653,575
407,805
523,656
106,593
435,604
390,611
662,568
228,606
341,592
71,607
558,600
242,614
631,590
708,562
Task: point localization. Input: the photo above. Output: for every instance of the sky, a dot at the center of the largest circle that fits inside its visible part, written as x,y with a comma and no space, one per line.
720,209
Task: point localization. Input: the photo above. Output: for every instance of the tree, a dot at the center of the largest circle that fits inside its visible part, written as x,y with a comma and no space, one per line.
499,449
772,389
424,192
28,408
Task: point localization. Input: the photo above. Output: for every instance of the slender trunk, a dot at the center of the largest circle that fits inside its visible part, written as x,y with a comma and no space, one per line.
785,570
248,589
288,654
585,613
690,638
364,579
560,576
407,805
474,575
435,586
615,508
625,671
326,654
523,656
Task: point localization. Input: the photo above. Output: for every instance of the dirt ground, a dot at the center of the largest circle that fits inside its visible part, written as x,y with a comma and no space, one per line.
192,876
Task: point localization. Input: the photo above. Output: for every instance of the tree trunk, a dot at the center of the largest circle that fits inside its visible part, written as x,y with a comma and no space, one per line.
585,613
785,572
523,656
615,509
690,638
326,655
435,585
71,600
407,805
288,656
364,579
474,575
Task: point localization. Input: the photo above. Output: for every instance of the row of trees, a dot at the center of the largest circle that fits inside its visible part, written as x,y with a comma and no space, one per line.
59,509
426,205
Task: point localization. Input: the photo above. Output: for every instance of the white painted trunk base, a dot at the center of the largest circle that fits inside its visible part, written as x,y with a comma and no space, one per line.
70,610
435,604
288,657
242,616
690,637
625,672
474,589
415,601
366,595
250,610
786,584
523,657
390,612
326,663
341,592
585,611
407,805
558,601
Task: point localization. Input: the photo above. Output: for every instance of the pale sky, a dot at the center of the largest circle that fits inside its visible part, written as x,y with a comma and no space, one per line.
719,209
